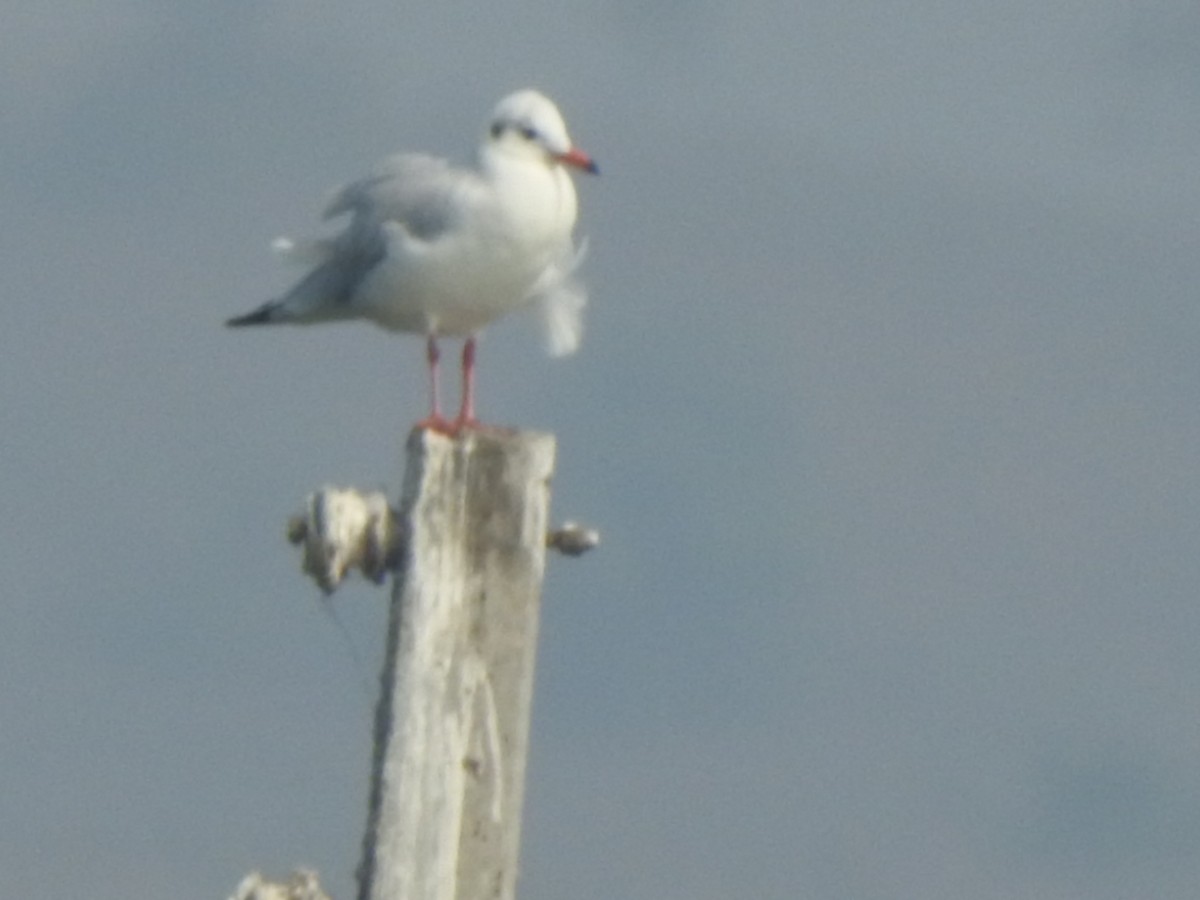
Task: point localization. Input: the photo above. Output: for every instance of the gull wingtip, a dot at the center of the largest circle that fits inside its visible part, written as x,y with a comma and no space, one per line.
260,316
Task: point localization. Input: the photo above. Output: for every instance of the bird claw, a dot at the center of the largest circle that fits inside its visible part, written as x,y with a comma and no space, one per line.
437,423
450,428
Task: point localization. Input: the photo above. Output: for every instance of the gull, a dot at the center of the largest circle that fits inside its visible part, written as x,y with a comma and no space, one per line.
439,250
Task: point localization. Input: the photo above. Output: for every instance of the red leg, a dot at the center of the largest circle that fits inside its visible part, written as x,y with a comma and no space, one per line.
433,355
466,414
434,419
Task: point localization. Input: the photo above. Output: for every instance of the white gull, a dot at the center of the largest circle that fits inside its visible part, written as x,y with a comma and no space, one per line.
438,250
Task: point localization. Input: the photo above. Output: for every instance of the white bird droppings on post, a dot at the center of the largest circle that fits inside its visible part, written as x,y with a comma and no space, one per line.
452,729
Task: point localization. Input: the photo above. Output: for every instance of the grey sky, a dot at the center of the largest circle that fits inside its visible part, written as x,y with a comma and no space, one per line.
887,408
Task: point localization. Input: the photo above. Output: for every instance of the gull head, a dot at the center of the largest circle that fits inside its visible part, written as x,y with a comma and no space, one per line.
528,125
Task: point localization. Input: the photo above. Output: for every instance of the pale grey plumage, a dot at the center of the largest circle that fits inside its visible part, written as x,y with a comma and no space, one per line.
439,250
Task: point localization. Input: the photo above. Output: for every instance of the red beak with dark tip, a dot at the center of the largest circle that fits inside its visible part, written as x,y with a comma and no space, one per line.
580,160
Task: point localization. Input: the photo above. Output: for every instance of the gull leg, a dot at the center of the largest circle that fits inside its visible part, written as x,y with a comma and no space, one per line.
466,414
433,355
434,420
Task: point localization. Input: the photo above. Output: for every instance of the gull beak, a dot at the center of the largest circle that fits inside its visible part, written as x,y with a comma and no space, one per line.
580,160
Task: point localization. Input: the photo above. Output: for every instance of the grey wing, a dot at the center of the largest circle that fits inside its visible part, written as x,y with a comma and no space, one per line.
416,192
327,292
412,190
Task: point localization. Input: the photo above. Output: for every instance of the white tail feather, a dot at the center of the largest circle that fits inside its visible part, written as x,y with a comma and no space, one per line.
302,253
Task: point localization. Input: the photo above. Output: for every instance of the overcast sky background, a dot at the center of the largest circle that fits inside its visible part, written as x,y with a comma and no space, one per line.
888,409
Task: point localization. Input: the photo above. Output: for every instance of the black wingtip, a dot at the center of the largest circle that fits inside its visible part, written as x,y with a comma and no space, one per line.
260,316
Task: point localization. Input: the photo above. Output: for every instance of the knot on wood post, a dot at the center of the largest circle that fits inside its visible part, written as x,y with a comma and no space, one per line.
344,529
302,885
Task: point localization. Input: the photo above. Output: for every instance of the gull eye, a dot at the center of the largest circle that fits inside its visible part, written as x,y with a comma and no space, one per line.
529,132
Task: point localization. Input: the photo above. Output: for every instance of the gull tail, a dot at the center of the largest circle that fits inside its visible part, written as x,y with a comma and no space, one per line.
303,253
321,295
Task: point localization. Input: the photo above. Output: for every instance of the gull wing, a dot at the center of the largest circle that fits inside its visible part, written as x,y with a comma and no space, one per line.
416,194
412,190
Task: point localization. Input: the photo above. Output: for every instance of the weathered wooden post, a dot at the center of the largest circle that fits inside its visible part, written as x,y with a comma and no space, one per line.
452,725
467,547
